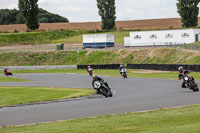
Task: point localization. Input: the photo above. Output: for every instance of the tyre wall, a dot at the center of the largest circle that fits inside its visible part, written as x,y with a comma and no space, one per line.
100,66
163,67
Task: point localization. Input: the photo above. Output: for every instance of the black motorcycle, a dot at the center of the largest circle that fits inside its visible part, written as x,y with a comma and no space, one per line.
124,75
102,88
190,83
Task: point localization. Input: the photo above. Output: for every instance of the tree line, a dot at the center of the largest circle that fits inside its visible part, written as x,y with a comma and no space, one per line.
14,16
32,15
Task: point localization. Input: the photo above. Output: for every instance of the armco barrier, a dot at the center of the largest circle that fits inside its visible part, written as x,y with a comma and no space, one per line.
100,66
39,67
163,67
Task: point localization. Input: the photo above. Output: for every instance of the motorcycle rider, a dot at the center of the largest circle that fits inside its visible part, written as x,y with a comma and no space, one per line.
97,78
182,73
7,72
123,70
120,68
89,69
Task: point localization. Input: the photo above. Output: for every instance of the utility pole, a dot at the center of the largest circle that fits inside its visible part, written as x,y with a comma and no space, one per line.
177,49
77,56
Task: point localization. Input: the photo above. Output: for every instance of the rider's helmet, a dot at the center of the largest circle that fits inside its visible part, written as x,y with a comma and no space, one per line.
88,67
94,76
180,68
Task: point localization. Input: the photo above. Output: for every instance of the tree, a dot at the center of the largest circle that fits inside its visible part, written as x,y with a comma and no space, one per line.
107,13
189,11
29,10
8,16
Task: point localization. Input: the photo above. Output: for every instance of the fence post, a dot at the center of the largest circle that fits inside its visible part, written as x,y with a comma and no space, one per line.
177,49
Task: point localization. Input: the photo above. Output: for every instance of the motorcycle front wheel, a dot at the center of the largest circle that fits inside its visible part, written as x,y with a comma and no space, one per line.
194,89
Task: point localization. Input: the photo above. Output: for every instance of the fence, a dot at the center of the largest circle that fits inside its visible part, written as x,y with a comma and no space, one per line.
163,67
100,66
78,47
52,47
38,48
39,67
190,47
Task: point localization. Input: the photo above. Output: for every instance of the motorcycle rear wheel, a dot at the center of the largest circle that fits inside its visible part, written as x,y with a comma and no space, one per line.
106,93
103,92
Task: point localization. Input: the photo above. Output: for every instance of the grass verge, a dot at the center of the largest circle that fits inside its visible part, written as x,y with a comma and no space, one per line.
10,79
42,37
128,56
48,37
115,73
180,120
23,95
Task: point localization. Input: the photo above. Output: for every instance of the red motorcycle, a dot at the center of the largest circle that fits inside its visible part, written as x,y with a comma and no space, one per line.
90,71
7,72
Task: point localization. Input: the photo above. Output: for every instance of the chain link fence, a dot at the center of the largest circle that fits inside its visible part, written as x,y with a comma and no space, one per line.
53,47
79,47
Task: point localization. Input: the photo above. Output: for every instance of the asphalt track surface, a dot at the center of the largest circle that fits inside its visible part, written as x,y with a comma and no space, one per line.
133,95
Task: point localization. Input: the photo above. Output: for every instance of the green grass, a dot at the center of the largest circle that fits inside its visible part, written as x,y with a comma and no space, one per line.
10,79
115,73
77,71
151,56
181,120
49,37
42,37
23,95
119,37
63,36
41,58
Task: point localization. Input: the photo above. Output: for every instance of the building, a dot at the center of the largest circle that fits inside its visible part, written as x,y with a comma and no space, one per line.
162,37
98,40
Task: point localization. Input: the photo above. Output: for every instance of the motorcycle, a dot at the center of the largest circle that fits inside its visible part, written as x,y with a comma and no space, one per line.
190,83
102,88
124,75
8,72
90,71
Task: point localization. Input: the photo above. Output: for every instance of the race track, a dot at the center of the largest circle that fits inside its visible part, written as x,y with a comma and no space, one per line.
133,94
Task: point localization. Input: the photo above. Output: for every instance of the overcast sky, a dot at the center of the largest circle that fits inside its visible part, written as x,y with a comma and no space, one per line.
86,10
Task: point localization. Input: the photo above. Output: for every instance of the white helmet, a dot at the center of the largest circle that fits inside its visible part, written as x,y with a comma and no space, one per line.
180,68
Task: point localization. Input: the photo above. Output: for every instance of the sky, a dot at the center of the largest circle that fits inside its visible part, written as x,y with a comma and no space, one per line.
87,11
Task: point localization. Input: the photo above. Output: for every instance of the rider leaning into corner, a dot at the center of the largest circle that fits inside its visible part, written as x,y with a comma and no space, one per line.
89,67
181,74
97,78
121,67
123,70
